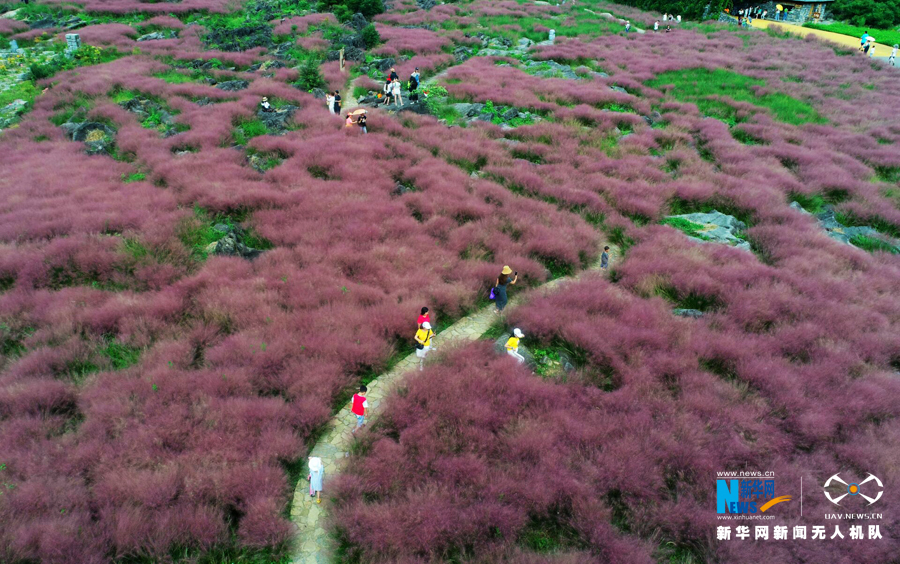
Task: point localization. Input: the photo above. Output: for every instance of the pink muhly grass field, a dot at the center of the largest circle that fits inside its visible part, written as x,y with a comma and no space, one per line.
153,399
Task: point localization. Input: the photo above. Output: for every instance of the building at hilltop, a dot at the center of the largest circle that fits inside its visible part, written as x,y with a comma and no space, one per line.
798,11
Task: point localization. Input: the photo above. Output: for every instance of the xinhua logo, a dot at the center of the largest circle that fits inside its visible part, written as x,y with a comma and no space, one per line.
746,496
853,489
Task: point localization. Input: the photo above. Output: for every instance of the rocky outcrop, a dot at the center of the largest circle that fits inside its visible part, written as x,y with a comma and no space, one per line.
232,85
233,243
10,113
276,121
717,228
98,137
157,35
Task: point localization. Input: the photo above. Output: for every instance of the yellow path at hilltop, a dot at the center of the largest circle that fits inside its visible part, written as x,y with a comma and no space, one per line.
881,50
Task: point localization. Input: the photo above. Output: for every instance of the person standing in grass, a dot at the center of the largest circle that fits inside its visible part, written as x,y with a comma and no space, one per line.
424,317
500,297
316,475
337,102
395,89
387,92
394,76
627,26
656,25
423,343
359,405
361,122
329,101
604,259
512,345
893,54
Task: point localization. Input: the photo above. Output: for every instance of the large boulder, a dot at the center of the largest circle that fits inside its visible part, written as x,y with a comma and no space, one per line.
426,4
157,35
277,120
384,65
98,137
416,108
241,38
232,244
233,85
718,228
462,54
358,21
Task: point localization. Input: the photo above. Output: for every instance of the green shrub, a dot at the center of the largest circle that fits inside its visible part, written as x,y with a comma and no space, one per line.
310,75
370,36
871,244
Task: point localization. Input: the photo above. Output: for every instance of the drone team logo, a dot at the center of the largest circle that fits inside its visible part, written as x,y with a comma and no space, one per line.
854,489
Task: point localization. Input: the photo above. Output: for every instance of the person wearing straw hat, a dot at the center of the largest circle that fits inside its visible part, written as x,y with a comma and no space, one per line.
316,475
512,345
266,107
423,343
500,297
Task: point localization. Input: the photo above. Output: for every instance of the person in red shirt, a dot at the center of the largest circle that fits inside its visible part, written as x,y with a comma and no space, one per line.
360,407
423,317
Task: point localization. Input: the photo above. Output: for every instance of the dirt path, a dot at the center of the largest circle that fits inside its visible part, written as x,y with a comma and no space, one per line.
843,40
312,544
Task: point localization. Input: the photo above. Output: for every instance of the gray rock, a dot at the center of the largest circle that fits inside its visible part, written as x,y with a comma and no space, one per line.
416,108
318,93
354,40
462,54
11,112
233,85
694,313
232,244
384,65
721,228
277,121
653,118
840,232
350,54
524,43
566,362
400,189
509,114
618,89
157,35
426,4
203,101
468,110
358,21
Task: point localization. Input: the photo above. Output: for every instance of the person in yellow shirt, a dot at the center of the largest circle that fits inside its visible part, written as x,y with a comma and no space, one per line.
512,345
423,343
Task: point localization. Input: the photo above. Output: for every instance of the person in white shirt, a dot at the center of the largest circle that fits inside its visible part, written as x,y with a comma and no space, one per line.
656,26
329,101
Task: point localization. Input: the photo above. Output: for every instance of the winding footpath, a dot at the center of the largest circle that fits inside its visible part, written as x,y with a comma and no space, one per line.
312,544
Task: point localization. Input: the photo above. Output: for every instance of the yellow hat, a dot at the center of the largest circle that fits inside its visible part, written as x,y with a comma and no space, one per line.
506,270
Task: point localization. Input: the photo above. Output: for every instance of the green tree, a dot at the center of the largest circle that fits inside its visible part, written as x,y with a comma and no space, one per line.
310,75
875,13
370,36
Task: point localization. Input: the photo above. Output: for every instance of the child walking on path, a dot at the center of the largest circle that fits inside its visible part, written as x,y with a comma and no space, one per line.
359,405
604,259
316,475
423,343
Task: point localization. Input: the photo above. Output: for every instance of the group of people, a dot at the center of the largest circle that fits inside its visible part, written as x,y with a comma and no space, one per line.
359,404
656,27
393,85
750,13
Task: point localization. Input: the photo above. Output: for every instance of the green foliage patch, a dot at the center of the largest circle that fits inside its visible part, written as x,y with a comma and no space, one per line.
702,86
